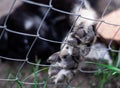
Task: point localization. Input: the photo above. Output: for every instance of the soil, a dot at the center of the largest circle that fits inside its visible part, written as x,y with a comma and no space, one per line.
9,69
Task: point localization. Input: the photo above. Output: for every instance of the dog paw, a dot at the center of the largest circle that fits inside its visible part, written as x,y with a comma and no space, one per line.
54,58
63,75
53,70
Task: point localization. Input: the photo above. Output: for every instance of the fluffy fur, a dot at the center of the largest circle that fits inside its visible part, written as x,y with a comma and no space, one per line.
79,44
26,19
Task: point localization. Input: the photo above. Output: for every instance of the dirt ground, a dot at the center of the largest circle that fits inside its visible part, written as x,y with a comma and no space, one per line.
8,70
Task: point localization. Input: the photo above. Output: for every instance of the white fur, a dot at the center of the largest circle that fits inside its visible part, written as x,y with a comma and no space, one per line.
64,50
62,74
84,13
28,24
99,51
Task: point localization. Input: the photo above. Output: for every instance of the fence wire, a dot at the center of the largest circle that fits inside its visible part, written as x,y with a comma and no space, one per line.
38,36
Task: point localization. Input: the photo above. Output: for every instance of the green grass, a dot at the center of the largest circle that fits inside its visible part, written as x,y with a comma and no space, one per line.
46,83
36,68
36,79
118,60
107,73
19,84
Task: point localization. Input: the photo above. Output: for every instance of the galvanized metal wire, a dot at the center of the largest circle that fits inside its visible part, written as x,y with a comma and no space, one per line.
38,36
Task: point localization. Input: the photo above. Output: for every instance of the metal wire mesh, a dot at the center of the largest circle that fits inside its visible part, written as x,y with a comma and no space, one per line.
38,36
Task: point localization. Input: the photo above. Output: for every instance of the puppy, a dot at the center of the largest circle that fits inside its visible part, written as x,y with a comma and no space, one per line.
79,42
27,18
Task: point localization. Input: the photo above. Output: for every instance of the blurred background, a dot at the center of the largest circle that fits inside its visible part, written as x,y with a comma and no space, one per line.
5,5
8,71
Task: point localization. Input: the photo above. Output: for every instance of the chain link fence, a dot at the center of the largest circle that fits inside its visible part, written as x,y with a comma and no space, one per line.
22,62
